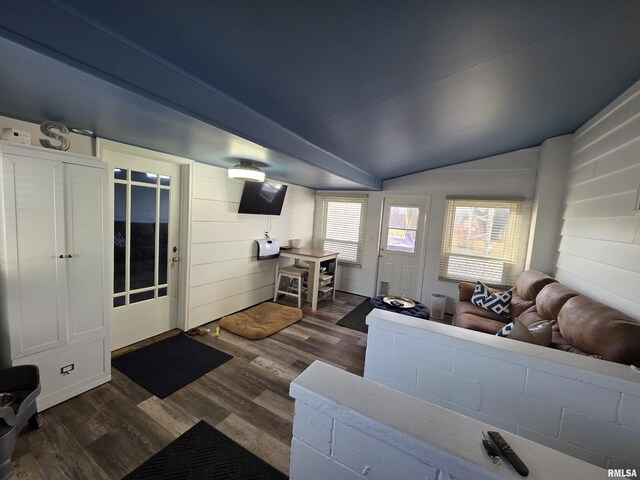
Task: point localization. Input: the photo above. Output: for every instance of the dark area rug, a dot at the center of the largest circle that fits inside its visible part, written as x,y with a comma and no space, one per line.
203,453
167,366
355,319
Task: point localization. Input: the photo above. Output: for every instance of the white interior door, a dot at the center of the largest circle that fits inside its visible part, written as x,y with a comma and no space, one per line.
402,237
146,206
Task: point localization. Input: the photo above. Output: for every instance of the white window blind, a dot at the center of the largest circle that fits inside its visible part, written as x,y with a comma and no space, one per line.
482,240
339,226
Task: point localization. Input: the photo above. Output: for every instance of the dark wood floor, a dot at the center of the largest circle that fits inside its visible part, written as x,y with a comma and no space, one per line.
107,432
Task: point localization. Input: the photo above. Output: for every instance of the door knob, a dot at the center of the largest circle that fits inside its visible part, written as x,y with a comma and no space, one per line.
175,259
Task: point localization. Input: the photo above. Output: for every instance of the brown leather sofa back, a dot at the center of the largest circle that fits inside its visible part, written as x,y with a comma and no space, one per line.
552,298
530,283
600,330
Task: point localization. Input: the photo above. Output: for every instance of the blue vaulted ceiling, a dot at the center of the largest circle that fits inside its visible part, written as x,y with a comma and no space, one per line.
341,93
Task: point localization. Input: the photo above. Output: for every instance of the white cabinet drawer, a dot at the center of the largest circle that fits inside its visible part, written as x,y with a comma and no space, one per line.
86,363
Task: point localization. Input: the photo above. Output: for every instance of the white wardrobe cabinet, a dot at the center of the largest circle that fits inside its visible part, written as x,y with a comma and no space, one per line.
53,269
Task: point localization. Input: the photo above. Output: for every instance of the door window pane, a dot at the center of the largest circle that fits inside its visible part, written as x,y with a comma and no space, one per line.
163,250
162,292
118,301
143,237
141,297
165,180
144,177
119,236
404,217
119,173
401,234
399,240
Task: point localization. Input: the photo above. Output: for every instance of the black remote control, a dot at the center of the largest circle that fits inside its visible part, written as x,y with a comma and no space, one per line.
508,453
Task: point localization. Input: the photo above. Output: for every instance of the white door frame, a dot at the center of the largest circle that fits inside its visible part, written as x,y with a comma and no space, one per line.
184,214
422,255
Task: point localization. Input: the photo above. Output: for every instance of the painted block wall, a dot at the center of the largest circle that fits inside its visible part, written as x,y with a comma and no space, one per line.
600,247
225,275
581,406
345,429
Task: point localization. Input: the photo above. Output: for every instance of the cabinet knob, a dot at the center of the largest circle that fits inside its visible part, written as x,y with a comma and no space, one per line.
61,256
69,256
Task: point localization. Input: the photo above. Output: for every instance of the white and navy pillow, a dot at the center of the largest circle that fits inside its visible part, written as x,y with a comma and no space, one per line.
498,302
506,330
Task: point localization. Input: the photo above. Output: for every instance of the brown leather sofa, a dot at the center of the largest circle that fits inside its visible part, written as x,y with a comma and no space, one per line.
580,324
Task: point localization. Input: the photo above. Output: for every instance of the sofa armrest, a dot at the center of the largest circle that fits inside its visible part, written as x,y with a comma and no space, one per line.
466,291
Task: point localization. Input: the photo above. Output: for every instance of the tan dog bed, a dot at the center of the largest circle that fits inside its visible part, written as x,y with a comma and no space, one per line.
261,321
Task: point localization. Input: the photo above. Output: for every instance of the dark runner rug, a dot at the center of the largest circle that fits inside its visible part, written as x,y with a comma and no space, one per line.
204,453
167,366
355,319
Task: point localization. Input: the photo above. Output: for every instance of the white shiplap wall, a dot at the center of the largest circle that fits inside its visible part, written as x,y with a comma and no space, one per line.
225,275
600,247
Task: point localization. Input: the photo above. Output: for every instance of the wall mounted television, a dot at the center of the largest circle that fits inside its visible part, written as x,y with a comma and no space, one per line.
262,198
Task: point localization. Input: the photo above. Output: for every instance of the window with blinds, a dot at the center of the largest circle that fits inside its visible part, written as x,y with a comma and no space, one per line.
482,240
339,226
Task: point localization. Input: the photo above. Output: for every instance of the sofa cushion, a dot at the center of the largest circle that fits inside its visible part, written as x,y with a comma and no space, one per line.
552,298
531,317
496,302
530,282
598,329
561,343
471,309
518,305
478,323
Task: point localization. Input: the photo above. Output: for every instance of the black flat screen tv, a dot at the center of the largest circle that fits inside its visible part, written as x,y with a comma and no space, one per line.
262,198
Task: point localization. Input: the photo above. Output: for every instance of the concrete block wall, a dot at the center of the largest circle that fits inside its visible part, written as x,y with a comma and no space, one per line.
584,407
349,428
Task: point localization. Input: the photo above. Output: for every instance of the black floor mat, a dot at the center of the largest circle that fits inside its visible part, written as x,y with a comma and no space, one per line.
204,453
167,366
355,319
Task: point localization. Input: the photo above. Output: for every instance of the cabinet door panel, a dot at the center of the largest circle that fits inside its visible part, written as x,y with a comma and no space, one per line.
85,241
39,296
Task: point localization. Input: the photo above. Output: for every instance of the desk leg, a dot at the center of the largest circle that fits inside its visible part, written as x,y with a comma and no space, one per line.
312,285
335,278
275,281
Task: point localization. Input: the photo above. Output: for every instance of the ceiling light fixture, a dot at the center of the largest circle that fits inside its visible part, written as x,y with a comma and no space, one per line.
247,171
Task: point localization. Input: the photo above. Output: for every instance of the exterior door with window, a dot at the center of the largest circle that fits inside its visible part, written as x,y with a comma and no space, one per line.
401,259
146,205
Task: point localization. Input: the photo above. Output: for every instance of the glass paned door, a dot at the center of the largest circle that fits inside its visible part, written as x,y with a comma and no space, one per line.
145,196
141,240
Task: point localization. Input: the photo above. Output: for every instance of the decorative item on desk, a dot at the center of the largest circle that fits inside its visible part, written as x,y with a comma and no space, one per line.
47,128
16,136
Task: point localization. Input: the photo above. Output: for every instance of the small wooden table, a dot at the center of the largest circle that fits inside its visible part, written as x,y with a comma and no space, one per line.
313,256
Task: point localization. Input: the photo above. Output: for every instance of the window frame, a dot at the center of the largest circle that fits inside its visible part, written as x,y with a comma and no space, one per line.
512,264
321,215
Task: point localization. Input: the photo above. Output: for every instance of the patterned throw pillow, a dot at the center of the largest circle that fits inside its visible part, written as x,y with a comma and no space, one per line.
506,330
498,302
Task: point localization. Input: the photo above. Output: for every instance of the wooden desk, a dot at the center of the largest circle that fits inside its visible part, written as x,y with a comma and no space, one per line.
313,257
